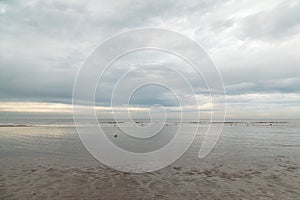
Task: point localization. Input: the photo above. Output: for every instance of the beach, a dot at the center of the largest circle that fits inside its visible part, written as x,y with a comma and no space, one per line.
250,161
150,100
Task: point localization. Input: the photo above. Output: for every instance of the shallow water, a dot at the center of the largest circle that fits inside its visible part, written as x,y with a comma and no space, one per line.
250,160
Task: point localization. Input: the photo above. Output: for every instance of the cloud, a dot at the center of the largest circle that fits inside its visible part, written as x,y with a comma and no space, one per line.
280,21
43,44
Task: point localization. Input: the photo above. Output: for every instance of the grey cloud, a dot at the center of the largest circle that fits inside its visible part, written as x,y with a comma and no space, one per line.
153,95
288,85
43,43
281,21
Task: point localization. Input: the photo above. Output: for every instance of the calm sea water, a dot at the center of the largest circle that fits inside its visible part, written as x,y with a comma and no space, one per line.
55,141
43,158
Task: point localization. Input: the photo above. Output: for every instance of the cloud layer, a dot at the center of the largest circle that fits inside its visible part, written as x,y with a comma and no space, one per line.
255,46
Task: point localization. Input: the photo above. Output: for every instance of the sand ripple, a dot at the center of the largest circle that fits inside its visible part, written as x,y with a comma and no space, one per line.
217,182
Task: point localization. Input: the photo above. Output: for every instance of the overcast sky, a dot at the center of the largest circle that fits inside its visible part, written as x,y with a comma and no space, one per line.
255,45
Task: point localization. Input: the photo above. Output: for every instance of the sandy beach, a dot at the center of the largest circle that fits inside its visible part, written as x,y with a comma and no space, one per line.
150,100
217,182
54,165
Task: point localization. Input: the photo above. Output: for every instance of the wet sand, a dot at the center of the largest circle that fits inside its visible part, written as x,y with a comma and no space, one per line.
215,182
51,163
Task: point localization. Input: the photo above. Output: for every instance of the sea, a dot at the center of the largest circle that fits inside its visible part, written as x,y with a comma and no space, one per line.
270,148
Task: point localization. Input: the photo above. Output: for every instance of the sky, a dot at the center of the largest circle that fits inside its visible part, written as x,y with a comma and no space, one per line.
254,44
